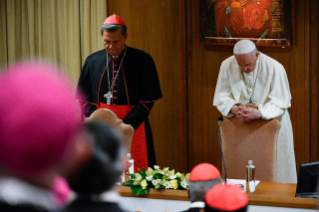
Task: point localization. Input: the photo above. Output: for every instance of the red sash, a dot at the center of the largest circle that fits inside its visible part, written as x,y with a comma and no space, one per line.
139,148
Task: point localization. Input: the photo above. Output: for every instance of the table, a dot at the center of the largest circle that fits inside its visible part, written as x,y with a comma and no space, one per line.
275,195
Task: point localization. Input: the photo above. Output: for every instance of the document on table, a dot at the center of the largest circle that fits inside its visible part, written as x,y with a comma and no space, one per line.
241,183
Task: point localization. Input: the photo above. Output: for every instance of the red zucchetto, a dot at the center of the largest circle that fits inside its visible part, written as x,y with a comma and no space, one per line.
203,172
226,197
114,19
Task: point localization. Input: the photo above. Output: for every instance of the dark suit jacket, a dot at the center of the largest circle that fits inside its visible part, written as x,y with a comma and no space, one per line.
20,208
87,206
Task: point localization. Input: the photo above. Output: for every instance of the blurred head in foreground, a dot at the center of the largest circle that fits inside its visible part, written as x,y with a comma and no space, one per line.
39,124
38,121
202,177
106,163
226,197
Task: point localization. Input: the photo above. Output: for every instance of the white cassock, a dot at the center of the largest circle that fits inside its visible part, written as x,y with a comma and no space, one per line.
268,88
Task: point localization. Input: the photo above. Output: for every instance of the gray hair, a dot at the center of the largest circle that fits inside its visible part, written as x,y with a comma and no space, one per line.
198,189
254,52
113,28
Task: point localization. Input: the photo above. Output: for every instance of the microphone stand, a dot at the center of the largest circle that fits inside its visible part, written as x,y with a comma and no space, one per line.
221,148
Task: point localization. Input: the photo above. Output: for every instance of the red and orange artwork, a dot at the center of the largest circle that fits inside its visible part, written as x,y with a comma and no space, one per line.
243,18
266,22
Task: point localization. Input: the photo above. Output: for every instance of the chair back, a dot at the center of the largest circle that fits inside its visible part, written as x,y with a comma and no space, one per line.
255,140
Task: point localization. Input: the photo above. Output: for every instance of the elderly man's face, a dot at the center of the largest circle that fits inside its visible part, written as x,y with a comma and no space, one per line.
247,62
114,42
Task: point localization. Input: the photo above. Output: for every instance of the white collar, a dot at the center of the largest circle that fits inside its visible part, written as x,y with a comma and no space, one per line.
14,191
111,196
197,205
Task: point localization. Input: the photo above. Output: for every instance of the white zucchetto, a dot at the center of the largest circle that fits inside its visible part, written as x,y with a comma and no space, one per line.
244,47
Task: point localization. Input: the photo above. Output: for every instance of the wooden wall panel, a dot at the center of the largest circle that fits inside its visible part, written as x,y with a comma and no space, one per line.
314,79
203,140
158,27
202,76
184,122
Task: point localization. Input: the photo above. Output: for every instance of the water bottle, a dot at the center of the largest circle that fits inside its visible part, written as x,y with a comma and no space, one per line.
131,161
250,177
130,169
124,176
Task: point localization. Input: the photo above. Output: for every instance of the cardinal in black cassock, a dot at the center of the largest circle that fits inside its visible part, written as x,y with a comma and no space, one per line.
124,80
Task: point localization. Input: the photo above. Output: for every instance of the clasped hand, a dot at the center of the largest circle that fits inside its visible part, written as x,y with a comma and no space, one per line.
245,113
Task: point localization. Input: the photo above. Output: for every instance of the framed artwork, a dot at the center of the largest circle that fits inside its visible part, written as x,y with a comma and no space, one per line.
265,22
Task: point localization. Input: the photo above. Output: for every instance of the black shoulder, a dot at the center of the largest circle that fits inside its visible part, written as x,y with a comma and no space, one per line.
97,55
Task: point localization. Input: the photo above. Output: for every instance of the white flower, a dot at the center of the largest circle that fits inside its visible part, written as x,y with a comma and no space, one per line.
166,184
156,167
154,182
149,178
166,169
172,177
184,184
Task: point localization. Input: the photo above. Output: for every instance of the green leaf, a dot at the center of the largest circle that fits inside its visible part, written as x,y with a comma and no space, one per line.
161,187
158,176
135,186
143,173
132,176
136,190
144,191
150,185
128,183
139,190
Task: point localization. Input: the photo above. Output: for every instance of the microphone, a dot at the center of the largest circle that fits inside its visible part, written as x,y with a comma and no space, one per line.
220,120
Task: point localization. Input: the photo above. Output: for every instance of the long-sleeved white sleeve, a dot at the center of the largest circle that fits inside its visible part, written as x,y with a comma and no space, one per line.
270,111
223,98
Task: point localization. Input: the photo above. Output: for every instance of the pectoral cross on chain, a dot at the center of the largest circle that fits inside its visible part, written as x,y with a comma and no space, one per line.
108,97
